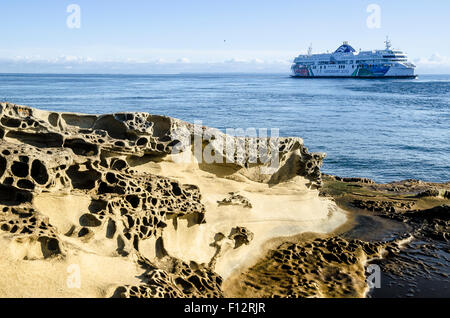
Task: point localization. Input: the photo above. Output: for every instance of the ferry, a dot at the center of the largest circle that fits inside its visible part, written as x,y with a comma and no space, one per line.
345,62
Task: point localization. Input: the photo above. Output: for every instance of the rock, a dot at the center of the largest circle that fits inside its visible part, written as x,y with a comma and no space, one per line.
383,206
79,157
235,199
356,180
428,193
240,235
324,267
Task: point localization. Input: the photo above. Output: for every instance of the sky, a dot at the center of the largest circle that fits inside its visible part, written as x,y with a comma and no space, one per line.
173,36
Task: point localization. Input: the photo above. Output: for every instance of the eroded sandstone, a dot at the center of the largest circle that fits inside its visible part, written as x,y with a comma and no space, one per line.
77,187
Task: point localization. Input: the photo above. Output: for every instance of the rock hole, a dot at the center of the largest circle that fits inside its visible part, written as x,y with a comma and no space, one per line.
2,165
114,127
81,147
111,178
25,184
49,246
41,140
133,200
83,180
89,220
53,119
119,164
176,189
97,205
83,232
39,172
111,229
19,169
141,142
10,122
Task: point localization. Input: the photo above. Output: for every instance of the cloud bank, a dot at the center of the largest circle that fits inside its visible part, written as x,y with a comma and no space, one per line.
435,64
74,64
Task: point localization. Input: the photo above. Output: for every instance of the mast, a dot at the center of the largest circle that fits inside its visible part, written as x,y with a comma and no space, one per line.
388,43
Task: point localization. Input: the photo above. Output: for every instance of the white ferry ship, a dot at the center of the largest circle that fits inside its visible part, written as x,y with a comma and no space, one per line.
346,62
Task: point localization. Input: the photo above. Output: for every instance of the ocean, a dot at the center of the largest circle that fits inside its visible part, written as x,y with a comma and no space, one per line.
383,129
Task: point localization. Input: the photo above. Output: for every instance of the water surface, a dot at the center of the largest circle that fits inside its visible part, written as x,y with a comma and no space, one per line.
382,129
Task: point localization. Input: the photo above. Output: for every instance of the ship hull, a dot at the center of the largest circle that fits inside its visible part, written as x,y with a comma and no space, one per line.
351,72
359,77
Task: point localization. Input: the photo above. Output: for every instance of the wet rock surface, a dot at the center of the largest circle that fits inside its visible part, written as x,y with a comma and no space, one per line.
421,209
324,267
401,227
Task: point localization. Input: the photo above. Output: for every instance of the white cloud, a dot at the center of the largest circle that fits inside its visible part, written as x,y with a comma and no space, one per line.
258,61
435,59
435,64
183,60
236,60
147,65
59,59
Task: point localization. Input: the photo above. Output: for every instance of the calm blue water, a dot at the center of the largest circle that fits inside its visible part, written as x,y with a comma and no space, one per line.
382,129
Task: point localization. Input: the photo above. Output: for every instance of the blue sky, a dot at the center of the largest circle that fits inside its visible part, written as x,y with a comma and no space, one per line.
212,35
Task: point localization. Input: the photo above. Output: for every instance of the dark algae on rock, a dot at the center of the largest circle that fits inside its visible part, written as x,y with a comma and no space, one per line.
421,268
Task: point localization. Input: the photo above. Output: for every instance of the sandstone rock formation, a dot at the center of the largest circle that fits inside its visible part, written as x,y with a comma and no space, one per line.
109,194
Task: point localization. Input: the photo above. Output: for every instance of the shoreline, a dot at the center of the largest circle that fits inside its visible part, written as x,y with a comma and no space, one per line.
108,189
393,237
